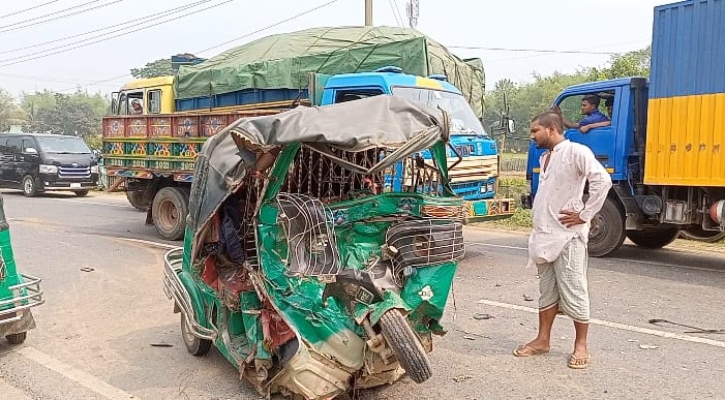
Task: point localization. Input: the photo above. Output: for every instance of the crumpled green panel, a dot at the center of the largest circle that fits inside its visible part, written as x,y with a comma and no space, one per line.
283,61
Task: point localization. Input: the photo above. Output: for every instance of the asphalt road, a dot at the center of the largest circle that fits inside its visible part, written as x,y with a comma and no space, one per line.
105,310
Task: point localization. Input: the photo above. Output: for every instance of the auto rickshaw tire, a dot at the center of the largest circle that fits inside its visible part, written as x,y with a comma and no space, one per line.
168,226
16,338
195,345
406,345
29,186
82,193
654,238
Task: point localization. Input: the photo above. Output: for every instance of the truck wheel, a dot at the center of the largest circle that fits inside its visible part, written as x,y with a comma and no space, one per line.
607,233
138,200
406,345
655,238
81,193
17,338
169,211
30,187
195,345
699,234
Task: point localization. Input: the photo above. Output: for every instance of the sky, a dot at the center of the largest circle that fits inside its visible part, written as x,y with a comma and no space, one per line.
43,47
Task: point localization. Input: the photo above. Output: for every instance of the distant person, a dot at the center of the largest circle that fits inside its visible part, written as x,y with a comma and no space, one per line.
136,107
590,108
558,241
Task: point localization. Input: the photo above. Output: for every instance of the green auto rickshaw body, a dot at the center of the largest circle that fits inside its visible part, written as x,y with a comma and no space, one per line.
18,292
321,306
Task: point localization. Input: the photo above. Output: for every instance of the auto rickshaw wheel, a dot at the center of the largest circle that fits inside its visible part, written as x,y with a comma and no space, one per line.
406,345
195,345
17,338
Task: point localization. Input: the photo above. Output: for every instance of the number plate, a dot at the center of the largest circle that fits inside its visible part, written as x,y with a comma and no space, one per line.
75,185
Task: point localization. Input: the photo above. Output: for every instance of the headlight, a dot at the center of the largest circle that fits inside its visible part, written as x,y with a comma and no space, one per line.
48,169
94,169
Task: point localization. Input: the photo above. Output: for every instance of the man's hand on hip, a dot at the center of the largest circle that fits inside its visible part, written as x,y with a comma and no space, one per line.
570,218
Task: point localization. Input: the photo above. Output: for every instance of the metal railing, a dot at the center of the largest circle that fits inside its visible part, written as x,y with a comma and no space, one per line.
32,297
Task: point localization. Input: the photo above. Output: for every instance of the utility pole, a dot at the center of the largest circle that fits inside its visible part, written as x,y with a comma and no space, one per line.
368,12
413,10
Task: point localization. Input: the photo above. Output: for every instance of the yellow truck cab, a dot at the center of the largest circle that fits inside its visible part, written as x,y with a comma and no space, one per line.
145,97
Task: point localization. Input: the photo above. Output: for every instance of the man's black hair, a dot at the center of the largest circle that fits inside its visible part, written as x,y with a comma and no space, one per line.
592,99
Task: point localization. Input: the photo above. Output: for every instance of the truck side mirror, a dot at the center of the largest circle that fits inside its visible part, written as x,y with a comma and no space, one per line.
31,150
511,126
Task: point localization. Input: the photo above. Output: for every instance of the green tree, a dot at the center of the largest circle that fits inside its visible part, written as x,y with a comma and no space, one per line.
162,67
10,113
75,114
633,63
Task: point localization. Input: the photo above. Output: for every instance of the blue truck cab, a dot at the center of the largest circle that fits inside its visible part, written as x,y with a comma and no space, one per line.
473,154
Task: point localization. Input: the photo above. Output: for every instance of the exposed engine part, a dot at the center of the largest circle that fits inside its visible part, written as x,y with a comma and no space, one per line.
717,212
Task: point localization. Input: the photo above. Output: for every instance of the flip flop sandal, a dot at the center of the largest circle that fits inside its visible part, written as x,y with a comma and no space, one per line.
528,351
579,363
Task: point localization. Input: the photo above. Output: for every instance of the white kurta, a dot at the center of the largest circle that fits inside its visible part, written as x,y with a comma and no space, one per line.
561,186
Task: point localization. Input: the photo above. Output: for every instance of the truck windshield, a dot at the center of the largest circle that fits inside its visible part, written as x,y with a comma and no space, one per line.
464,121
63,145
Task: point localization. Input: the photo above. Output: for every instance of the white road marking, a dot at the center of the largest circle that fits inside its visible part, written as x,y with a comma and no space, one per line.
150,243
81,377
11,392
98,203
615,325
643,262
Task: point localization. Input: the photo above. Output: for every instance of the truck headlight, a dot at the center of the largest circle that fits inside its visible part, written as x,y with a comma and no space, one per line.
94,169
48,169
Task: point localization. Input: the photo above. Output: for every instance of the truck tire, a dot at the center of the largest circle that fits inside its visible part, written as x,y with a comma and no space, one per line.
406,345
16,338
697,233
654,238
138,200
607,233
169,211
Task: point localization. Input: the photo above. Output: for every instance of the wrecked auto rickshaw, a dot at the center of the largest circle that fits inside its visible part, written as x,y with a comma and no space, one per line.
18,292
330,270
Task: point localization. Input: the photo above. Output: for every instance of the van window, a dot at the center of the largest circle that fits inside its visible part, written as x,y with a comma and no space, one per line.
154,105
14,145
342,96
27,143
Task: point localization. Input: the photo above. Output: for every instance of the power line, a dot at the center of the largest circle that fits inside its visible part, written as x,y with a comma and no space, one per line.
151,16
4,63
219,45
2,28
395,14
27,9
509,49
270,26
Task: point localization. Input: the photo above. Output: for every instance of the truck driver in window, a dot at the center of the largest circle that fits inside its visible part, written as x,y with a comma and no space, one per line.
136,107
590,108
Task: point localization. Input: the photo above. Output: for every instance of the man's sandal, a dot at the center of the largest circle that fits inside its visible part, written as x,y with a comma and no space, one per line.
527,351
580,362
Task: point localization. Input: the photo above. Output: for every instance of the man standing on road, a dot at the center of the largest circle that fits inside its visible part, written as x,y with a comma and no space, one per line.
558,242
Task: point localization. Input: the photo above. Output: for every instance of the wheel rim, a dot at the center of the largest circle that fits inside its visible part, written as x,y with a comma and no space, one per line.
186,332
28,187
169,215
598,228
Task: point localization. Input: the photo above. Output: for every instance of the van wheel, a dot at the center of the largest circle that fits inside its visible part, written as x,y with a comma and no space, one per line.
17,338
607,233
82,193
30,187
169,211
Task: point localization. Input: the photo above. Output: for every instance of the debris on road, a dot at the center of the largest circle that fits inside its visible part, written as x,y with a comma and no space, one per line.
527,298
482,316
87,269
648,346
